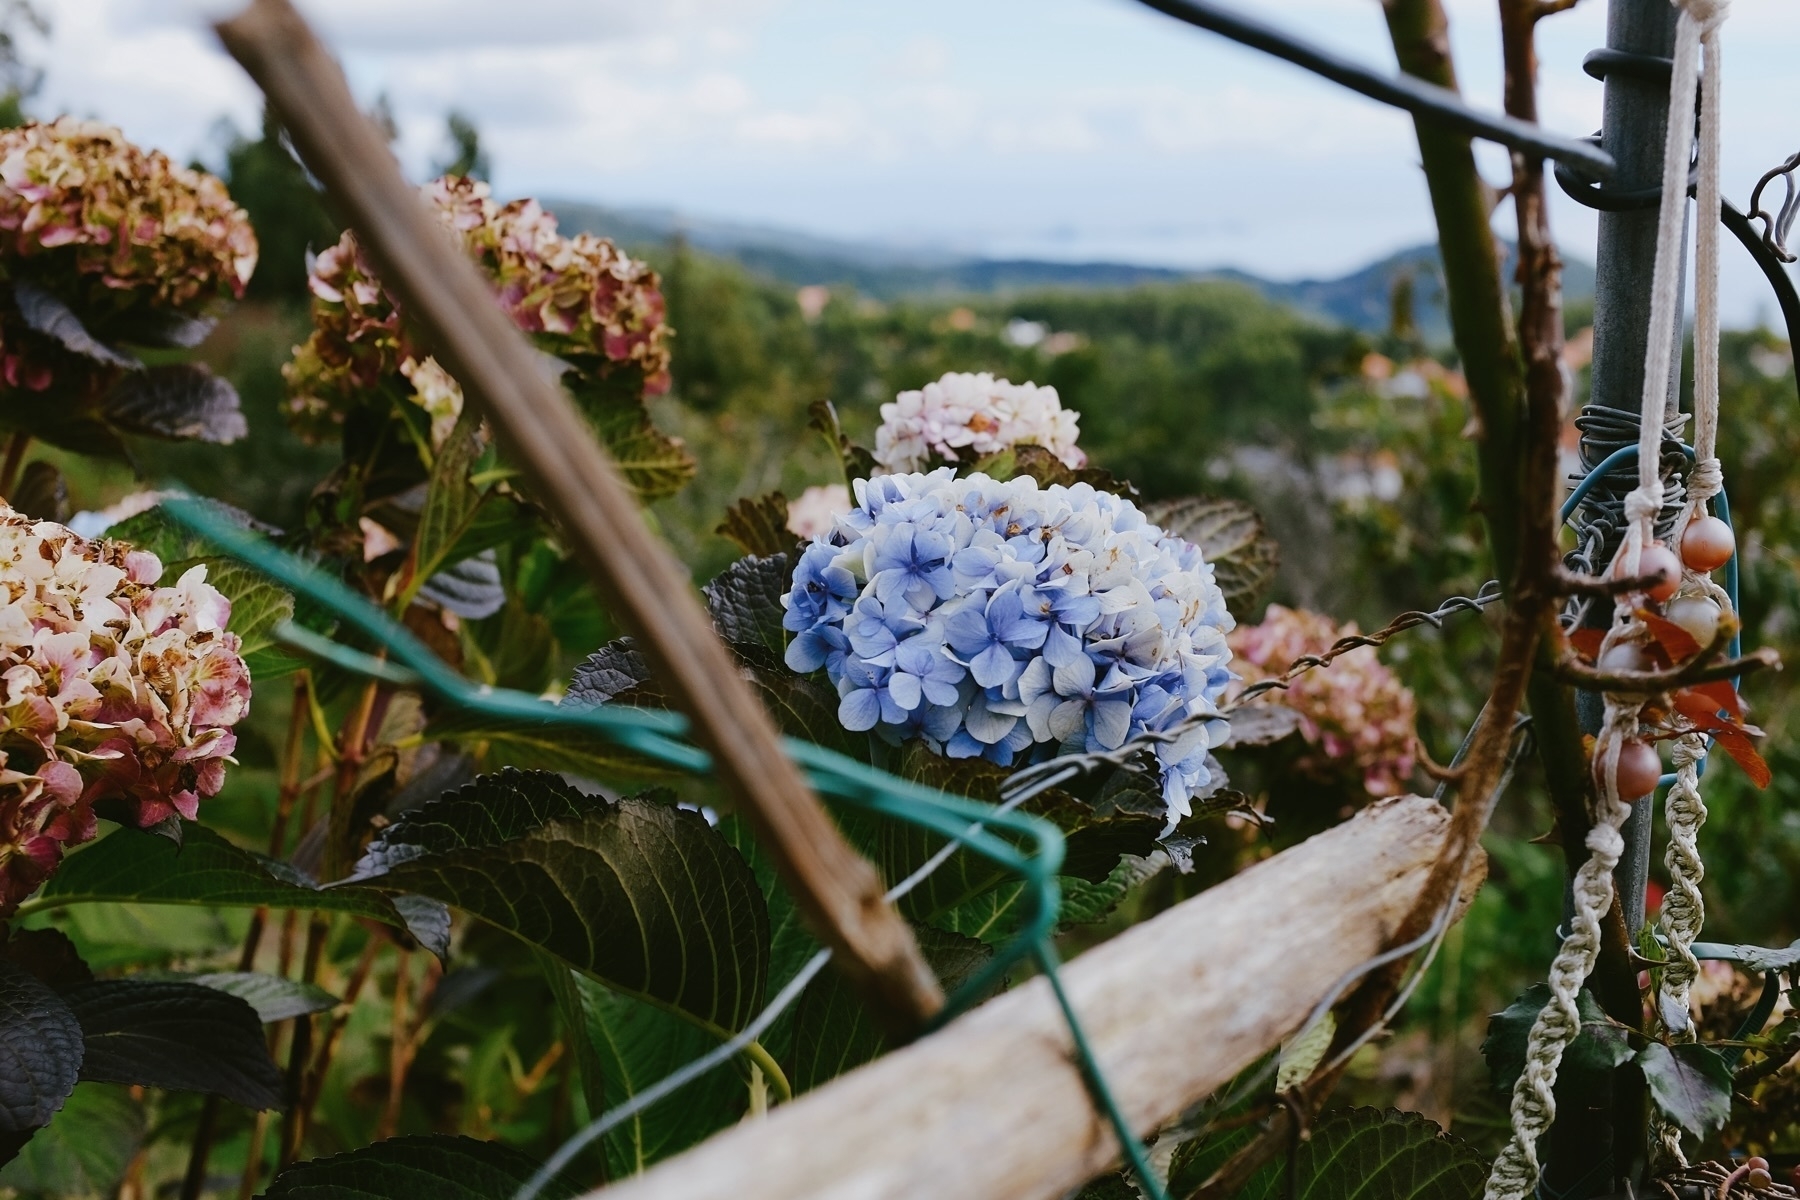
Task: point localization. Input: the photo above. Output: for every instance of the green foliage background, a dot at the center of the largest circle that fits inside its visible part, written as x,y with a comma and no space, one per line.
1182,388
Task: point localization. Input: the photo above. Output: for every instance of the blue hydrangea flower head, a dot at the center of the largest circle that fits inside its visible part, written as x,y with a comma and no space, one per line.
1012,622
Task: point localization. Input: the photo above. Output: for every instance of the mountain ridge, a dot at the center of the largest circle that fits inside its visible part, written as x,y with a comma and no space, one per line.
1361,299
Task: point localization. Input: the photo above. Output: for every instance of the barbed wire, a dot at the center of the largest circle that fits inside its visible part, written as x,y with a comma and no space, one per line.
1488,593
1133,754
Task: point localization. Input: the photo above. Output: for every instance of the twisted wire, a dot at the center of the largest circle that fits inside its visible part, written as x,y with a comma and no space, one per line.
1488,593
1601,517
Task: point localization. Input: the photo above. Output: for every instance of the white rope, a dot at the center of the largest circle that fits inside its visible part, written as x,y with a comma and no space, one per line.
1684,911
1516,1170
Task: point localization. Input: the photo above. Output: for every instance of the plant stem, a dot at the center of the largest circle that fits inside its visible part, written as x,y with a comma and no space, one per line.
259,1132
15,458
334,1030
351,752
397,1056
293,1122
193,1183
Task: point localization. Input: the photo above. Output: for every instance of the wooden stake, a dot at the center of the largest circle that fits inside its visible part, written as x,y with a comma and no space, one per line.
450,307
992,1107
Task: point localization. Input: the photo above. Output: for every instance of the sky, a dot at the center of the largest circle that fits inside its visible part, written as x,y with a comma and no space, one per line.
1066,129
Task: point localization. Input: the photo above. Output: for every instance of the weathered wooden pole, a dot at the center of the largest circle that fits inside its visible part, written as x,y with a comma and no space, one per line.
992,1106
452,310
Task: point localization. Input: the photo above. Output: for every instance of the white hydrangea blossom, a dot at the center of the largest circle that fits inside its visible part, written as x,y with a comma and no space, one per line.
964,417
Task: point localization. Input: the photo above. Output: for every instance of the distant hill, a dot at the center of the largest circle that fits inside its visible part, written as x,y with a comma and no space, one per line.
1361,299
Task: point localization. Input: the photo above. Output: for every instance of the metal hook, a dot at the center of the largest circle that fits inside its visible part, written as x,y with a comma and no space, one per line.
1775,229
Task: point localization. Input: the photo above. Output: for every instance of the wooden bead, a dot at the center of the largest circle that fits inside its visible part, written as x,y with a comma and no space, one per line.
1707,544
1640,766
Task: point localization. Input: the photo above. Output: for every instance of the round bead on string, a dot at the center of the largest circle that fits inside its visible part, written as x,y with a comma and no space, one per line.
1659,562
1698,615
1625,657
1640,767
1707,544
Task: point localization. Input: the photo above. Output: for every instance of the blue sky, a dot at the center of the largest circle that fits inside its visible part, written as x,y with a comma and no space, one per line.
1055,128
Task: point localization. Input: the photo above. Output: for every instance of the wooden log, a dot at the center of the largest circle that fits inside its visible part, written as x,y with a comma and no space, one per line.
449,306
992,1107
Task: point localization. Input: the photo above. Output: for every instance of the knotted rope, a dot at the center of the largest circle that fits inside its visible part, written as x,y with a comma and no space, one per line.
1517,1170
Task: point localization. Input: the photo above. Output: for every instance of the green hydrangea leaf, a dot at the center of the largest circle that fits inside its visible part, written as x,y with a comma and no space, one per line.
654,464
181,401
643,896
833,1029
85,1149
1600,1046
1368,1154
174,1034
758,524
40,1051
745,603
433,1166
1234,540
623,1045
131,865
1689,1082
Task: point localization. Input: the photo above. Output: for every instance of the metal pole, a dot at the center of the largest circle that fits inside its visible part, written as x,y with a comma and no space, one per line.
1597,1138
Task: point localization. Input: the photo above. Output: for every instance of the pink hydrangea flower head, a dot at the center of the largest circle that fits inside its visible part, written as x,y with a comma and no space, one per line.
1355,711
814,511
581,298
110,229
962,418
112,689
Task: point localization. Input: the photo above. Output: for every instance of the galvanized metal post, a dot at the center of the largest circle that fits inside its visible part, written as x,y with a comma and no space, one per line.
1598,1137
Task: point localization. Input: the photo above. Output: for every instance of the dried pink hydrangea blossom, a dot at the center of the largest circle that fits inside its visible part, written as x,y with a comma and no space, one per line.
1356,711
962,418
581,298
109,228
112,688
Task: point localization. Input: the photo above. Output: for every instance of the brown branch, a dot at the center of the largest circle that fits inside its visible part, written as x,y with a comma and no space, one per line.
1520,417
1573,583
1572,670
1773,1060
449,305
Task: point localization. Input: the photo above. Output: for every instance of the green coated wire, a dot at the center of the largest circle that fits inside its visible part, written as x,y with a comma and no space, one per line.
659,736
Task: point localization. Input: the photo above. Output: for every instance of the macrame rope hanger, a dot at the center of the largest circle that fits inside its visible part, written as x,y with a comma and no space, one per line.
1517,1170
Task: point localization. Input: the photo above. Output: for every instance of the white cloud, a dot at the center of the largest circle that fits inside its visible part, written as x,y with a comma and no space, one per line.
1078,127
